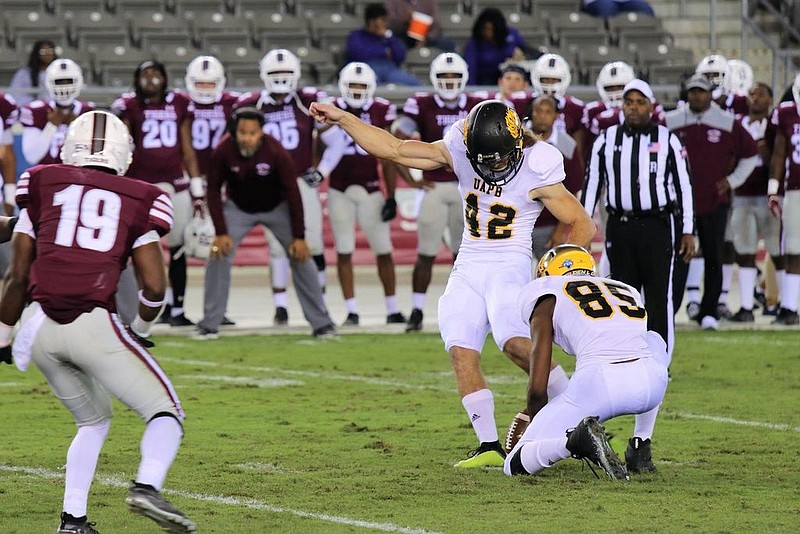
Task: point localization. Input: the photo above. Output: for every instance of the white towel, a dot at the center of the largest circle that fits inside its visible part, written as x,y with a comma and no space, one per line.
23,343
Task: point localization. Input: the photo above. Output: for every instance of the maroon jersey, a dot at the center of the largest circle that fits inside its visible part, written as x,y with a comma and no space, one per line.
763,132
86,222
155,128
34,115
255,184
357,167
9,114
519,100
570,114
786,118
599,117
736,104
434,117
288,121
209,124
715,141
573,169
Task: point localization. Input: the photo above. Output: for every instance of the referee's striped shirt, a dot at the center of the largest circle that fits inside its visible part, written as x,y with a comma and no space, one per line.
643,170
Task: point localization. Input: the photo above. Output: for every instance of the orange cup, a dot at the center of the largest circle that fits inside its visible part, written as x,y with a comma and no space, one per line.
419,25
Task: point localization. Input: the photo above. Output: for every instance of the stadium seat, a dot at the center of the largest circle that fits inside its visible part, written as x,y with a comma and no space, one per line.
457,26
418,61
577,28
92,42
669,74
204,23
9,63
279,29
244,77
223,41
153,42
242,7
632,22
156,23
591,60
333,29
637,38
662,54
29,26
319,67
531,28
549,8
236,56
62,6
197,6
114,66
140,7
84,23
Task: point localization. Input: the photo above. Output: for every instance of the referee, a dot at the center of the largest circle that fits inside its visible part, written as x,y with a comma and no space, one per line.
649,200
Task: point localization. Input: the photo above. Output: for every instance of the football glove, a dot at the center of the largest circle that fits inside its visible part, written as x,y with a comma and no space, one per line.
5,355
313,177
389,210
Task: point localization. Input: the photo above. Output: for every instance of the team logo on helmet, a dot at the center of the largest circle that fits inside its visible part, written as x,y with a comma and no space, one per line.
513,123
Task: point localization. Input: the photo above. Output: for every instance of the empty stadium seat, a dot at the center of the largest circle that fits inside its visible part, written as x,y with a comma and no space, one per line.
84,23
140,6
591,59
669,74
333,29
648,54
418,61
319,67
157,22
632,22
279,29
577,28
25,27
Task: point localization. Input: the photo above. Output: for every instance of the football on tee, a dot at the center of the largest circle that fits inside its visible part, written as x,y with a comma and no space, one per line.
516,429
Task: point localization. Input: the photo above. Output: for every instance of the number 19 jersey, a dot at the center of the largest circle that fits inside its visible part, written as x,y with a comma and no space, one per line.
498,220
595,319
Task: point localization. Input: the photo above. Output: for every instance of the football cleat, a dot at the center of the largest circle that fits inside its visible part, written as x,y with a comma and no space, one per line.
146,501
281,316
693,310
72,525
395,318
709,323
179,320
414,323
227,322
326,332
786,317
204,333
588,441
351,320
723,312
488,454
742,316
770,311
638,457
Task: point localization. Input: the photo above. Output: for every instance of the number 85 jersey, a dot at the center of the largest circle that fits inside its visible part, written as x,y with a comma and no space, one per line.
85,223
498,220
595,319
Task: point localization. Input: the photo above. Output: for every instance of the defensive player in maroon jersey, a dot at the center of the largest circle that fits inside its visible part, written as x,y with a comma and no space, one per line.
785,169
205,85
355,192
45,123
440,206
9,114
79,224
285,107
160,121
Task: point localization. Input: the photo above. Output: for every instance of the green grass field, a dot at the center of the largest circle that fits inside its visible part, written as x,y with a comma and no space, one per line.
285,434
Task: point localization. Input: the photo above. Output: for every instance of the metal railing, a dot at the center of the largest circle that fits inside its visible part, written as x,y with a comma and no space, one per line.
780,54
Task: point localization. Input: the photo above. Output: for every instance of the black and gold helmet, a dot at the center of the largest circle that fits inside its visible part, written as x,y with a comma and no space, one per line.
565,260
493,137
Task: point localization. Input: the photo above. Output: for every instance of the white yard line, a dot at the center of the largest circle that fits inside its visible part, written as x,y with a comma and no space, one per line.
732,421
120,482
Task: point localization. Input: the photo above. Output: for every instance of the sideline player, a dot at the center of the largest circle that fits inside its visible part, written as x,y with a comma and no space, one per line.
506,177
620,367
79,224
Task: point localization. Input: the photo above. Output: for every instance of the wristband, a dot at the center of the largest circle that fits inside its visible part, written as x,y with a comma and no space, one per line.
150,303
772,186
140,327
5,334
197,186
9,194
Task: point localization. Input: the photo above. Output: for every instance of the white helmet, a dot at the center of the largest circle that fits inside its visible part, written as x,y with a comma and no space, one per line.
205,69
280,71
449,63
551,66
199,236
796,90
98,139
613,75
715,68
357,74
64,81
741,76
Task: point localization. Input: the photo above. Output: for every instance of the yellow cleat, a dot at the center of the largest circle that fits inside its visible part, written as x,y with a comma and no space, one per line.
486,455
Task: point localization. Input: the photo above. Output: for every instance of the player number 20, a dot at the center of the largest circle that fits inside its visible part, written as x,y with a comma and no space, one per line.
89,220
498,227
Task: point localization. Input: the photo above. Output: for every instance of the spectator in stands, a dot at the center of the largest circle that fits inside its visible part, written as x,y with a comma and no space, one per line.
375,45
400,14
491,44
612,8
32,76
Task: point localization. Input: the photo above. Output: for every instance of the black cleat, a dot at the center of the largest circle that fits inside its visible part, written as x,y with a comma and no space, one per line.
414,323
351,320
227,322
638,457
723,313
146,501
588,441
742,316
770,311
75,525
180,320
396,318
786,317
281,316
326,332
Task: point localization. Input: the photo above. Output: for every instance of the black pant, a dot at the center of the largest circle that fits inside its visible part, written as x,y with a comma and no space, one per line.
641,252
711,233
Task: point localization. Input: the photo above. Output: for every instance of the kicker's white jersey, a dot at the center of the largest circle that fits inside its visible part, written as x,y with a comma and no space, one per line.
498,219
595,319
